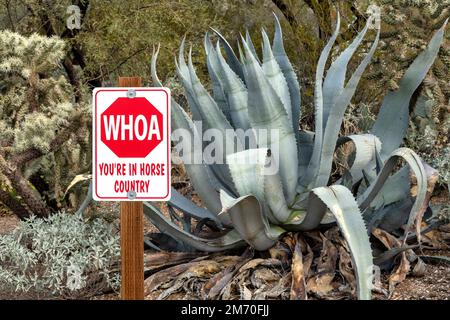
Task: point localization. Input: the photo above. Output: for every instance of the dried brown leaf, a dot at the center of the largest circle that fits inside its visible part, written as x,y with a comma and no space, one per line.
280,290
399,274
252,264
264,276
388,240
298,286
246,294
157,261
432,178
328,257
281,251
320,284
216,284
419,269
166,276
345,268
200,270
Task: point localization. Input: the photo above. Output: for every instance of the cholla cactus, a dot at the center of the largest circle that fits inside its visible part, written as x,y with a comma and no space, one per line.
251,205
37,117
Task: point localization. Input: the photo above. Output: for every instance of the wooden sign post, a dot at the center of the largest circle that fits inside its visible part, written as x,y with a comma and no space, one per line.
132,235
131,163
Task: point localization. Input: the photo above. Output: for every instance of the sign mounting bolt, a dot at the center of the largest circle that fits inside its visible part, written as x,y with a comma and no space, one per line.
131,93
131,195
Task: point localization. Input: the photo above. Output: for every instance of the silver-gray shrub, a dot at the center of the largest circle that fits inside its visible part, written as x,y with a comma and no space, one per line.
64,255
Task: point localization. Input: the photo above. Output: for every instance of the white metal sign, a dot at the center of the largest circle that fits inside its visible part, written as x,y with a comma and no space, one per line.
131,144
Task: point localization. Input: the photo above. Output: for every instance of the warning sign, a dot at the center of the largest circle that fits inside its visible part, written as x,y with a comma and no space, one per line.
131,144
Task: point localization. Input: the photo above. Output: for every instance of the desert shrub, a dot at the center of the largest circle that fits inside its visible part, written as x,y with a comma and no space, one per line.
63,255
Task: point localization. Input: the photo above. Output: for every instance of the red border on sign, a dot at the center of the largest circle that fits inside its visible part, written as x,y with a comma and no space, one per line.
167,136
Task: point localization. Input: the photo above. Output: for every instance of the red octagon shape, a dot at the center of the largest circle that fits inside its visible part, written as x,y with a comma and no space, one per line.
131,127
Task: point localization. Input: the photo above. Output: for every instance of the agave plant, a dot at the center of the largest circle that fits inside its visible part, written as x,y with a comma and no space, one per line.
254,207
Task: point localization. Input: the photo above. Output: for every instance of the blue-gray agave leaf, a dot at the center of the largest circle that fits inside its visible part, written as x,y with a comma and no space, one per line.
187,206
275,76
336,117
310,173
340,202
289,74
232,60
334,82
392,121
229,241
366,146
250,222
236,94
254,172
416,166
200,174
183,73
216,77
266,111
251,46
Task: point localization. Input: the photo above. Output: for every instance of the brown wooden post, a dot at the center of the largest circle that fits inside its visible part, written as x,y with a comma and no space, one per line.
132,235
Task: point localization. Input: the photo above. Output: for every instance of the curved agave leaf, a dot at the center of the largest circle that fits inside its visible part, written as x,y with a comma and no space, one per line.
305,150
432,178
185,205
249,221
201,176
246,171
366,146
183,73
397,187
241,55
273,190
232,60
310,219
289,74
221,174
340,201
229,241
209,109
273,73
310,173
214,119
392,121
236,93
416,166
216,77
266,112
333,84
336,117
251,46
153,72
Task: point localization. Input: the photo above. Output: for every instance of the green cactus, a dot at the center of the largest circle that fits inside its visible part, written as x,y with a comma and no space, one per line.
37,117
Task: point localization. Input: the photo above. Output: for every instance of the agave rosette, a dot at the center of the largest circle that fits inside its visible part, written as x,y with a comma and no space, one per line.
255,207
